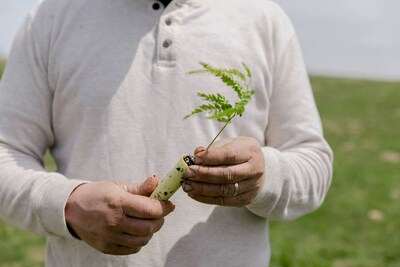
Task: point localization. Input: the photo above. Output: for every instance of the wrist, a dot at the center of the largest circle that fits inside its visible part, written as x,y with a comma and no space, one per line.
72,232
73,199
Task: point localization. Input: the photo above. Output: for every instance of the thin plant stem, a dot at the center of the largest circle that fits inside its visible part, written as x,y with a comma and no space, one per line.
223,128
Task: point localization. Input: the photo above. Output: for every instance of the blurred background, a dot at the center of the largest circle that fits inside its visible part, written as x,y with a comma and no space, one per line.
346,38
351,49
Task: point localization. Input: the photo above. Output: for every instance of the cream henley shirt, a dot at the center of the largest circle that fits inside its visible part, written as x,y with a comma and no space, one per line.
102,84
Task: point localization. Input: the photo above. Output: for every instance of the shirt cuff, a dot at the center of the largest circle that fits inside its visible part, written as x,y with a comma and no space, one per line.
51,201
270,192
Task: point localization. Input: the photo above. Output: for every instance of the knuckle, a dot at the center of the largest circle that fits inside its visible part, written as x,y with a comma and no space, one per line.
112,202
153,227
251,142
149,230
257,170
113,215
148,209
254,144
145,241
159,224
112,223
245,199
135,250
253,147
230,154
223,190
228,174
137,241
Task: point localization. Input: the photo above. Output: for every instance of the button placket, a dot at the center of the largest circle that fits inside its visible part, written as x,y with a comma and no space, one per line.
166,47
168,21
168,34
167,43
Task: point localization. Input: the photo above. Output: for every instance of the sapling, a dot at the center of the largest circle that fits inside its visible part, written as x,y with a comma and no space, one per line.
216,107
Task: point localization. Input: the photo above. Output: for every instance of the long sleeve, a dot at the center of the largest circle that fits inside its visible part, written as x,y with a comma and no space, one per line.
94,83
30,197
298,160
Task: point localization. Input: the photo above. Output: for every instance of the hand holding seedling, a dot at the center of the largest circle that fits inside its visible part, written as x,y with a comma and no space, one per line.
228,172
114,217
229,161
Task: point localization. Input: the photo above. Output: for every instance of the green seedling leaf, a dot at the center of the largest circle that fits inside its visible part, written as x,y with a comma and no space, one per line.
217,106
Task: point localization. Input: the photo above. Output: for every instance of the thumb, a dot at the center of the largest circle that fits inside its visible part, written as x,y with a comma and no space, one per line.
199,150
143,189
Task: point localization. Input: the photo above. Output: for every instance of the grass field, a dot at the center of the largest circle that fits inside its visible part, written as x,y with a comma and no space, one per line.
358,225
2,64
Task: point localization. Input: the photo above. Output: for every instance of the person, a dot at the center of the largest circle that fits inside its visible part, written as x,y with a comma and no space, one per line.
103,85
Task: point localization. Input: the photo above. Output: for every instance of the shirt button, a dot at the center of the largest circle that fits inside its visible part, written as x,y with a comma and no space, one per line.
167,43
168,21
156,6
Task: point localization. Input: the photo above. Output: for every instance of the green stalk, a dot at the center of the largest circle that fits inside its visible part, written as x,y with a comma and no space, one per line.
223,128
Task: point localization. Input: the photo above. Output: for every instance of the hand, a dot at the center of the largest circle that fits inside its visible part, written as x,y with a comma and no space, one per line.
237,160
115,217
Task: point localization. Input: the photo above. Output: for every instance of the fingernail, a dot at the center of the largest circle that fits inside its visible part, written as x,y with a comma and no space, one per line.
187,188
189,173
198,160
198,150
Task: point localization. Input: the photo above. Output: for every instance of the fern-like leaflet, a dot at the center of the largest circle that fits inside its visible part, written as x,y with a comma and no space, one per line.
217,106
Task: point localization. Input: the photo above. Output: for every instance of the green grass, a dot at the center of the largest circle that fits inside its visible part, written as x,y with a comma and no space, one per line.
358,224
19,248
2,65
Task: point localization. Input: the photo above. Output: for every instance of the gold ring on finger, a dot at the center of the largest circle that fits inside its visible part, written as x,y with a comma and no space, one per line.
237,190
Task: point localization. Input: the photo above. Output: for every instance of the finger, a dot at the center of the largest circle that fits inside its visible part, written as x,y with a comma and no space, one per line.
113,249
143,189
222,142
223,174
215,190
216,144
140,227
145,207
198,150
132,241
147,187
237,201
227,154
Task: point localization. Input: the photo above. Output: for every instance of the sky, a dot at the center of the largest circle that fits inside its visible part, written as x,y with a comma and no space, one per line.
359,38
348,38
